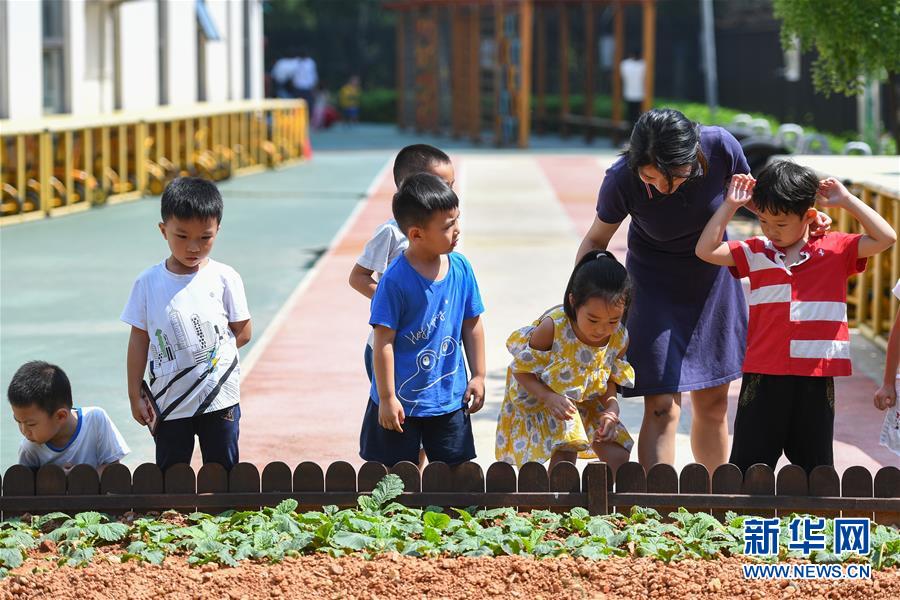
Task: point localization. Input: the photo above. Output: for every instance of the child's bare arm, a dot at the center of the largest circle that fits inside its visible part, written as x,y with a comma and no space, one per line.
886,396
242,331
362,281
559,406
136,364
390,411
710,246
473,340
879,234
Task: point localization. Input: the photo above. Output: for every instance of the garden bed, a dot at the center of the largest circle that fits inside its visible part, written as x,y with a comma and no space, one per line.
382,549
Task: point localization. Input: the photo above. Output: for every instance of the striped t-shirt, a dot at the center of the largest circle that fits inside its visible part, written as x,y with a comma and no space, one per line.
798,312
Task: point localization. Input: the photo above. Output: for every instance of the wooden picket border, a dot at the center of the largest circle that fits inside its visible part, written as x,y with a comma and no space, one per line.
760,491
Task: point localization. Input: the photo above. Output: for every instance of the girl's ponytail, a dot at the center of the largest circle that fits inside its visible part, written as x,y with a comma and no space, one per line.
597,275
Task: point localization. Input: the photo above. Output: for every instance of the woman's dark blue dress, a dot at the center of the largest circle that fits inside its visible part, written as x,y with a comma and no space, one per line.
688,318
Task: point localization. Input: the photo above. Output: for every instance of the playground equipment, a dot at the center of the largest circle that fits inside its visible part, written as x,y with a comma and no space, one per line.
464,67
57,165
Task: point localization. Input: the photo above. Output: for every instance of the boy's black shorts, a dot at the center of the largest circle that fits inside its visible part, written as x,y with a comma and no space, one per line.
445,438
788,413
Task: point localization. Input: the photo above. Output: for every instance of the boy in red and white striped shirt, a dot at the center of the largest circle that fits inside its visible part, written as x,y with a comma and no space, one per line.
798,339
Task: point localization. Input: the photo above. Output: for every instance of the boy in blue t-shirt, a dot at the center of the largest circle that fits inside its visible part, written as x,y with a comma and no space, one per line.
426,309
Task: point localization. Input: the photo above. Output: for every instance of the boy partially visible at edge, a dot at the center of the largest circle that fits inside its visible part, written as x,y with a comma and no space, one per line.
56,433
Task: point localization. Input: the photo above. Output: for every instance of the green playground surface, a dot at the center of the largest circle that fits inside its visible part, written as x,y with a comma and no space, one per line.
64,281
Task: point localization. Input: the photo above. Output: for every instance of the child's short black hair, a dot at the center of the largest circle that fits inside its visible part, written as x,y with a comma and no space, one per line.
417,158
597,275
42,384
785,187
188,198
420,196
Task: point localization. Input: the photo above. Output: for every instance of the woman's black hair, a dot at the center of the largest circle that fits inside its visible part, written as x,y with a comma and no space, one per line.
597,275
665,139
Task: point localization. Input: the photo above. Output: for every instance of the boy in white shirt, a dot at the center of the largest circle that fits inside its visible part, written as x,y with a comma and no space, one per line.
188,317
55,433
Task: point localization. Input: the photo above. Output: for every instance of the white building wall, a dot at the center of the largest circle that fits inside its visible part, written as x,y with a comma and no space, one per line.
236,49
182,50
90,58
139,59
24,59
257,66
218,72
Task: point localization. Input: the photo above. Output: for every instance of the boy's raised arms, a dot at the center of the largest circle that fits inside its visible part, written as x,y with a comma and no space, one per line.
710,246
879,234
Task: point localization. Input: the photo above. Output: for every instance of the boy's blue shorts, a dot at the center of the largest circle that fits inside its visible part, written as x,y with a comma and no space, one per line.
445,438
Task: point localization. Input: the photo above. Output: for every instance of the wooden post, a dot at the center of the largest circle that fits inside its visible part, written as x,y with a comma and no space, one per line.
619,32
649,52
141,131
401,75
475,73
122,146
540,50
45,169
456,65
69,166
21,176
563,69
524,101
499,65
595,485
589,48
87,161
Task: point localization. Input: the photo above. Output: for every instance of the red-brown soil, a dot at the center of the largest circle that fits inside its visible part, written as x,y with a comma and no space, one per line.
393,576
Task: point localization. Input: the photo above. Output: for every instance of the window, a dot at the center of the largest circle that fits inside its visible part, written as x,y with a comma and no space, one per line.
54,55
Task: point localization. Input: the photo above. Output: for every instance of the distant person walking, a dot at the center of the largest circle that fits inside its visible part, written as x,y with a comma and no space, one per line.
306,78
283,76
632,70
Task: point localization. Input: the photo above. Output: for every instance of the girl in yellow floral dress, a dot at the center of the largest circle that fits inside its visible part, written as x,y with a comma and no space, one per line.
561,386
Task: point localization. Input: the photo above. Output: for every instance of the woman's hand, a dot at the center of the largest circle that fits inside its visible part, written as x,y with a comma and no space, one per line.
560,407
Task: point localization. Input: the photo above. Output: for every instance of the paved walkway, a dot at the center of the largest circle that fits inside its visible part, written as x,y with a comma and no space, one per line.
294,236
523,217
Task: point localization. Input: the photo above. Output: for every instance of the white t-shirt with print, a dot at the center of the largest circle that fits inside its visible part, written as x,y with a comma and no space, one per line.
96,442
387,243
193,362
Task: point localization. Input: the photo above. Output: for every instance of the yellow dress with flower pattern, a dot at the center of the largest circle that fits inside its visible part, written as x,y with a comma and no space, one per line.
526,431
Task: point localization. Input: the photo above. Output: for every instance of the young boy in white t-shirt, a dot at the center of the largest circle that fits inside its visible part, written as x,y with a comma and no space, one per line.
55,433
188,317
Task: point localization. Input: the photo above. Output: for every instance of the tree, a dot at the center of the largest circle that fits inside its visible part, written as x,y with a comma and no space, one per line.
855,40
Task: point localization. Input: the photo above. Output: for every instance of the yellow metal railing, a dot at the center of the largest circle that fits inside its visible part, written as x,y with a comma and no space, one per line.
871,304
63,164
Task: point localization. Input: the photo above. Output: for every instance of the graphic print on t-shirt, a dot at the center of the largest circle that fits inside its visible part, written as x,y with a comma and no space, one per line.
426,360
194,344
